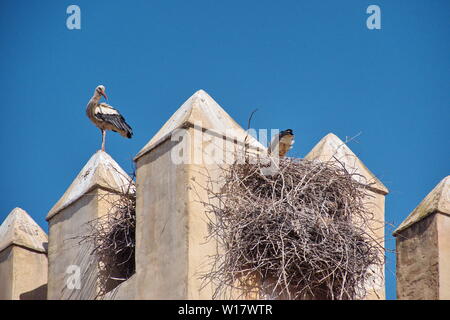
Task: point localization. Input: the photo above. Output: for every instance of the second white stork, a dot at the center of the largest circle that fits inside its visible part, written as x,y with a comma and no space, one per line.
106,117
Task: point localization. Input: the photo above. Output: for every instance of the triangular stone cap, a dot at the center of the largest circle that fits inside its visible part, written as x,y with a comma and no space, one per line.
100,171
200,107
331,147
20,229
438,200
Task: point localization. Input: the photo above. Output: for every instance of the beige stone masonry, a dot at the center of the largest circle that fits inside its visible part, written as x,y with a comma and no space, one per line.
23,258
172,226
72,269
423,248
201,109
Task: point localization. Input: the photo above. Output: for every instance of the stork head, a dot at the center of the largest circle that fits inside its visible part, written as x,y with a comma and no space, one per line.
101,91
287,132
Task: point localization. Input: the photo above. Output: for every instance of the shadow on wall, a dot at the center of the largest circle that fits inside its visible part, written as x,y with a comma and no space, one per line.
40,293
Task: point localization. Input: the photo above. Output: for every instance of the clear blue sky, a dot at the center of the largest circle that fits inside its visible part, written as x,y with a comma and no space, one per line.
312,66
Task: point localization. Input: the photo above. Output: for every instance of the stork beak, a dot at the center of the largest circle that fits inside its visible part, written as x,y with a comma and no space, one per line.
104,94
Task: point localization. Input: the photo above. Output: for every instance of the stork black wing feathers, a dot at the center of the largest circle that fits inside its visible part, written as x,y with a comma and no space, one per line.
118,121
114,118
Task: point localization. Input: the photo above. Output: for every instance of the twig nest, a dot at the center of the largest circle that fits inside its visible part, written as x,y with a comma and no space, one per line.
113,240
301,232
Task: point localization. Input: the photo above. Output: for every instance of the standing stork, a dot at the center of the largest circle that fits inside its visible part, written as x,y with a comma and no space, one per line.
106,117
282,143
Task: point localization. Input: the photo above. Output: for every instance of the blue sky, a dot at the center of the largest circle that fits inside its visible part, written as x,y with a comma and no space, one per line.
312,66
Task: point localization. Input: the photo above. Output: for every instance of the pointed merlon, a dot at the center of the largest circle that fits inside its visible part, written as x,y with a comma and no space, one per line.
200,108
20,229
100,171
438,200
331,147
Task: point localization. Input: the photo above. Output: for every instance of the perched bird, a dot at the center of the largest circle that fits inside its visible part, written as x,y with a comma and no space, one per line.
106,117
282,142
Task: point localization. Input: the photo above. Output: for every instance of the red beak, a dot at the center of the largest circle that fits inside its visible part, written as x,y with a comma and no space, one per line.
104,94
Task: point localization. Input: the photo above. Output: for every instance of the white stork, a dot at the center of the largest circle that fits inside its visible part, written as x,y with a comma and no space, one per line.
282,142
106,117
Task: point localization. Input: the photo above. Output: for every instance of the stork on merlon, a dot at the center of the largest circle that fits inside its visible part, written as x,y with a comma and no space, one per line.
106,117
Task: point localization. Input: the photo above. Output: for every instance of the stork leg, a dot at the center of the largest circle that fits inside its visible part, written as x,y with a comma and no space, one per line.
103,139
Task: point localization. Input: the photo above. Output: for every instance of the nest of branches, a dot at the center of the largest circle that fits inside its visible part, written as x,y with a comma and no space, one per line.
301,232
112,237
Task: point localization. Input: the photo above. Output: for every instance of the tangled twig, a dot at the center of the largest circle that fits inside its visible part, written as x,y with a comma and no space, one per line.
300,233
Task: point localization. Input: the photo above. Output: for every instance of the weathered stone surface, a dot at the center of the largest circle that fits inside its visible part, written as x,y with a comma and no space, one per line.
89,197
171,247
443,230
30,274
200,109
23,258
162,230
124,291
438,200
100,171
332,148
423,248
20,229
418,261
6,273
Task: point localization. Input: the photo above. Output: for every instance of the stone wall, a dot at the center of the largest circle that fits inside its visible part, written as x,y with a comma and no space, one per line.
423,248
6,273
172,226
417,261
23,258
73,270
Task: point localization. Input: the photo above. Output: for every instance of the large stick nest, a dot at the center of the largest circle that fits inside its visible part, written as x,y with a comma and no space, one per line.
112,237
303,232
